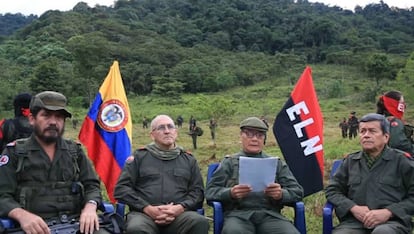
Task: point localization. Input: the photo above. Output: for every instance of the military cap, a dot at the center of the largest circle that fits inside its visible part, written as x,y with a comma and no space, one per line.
254,123
50,100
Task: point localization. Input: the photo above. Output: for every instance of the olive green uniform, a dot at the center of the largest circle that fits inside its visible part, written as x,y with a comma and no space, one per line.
149,180
256,213
398,137
47,188
388,184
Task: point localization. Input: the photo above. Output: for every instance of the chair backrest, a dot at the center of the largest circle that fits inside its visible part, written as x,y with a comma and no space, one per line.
335,165
210,171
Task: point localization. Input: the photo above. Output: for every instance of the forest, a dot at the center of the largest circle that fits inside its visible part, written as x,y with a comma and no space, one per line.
167,48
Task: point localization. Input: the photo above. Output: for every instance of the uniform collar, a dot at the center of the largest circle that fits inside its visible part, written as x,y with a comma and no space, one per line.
384,155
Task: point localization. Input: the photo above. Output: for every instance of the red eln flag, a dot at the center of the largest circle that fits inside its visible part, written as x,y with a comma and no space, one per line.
298,129
107,130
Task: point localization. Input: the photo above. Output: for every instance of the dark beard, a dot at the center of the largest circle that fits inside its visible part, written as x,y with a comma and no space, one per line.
48,139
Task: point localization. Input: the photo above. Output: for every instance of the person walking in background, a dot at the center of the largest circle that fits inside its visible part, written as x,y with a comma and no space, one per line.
344,128
180,121
253,212
192,123
353,125
194,134
373,189
145,122
392,106
19,126
162,185
75,123
45,178
213,125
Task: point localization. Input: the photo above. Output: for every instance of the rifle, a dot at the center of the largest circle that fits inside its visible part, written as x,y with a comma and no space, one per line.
110,221
71,227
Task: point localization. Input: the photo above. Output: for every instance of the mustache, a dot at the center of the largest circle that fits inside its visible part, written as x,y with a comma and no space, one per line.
53,128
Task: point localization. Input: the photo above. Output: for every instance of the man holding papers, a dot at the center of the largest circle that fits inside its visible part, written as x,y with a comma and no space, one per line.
253,198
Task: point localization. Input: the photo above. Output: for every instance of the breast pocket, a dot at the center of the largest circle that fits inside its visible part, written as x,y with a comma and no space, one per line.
148,178
182,177
390,189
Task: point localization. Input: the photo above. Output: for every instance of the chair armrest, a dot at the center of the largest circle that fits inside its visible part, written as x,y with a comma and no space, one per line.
218,216
107,207
327,218
7,223
120,209
300,220
200,211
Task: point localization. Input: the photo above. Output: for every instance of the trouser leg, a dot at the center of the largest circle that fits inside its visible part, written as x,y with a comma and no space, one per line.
189,222
140,223
234,225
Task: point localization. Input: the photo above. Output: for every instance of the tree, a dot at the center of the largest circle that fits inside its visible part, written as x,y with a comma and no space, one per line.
46,77
169,89
378,67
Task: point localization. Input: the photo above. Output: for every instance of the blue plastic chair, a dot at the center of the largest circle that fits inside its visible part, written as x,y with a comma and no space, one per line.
327,217
9,223
218,218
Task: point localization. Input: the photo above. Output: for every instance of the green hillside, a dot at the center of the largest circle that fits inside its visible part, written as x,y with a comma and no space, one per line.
207,46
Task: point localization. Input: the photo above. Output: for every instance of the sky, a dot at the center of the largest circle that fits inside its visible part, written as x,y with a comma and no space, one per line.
350,4
38,7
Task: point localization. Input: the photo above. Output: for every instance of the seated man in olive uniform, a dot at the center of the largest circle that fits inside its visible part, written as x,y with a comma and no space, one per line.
253,212
45,177
162,185
373,189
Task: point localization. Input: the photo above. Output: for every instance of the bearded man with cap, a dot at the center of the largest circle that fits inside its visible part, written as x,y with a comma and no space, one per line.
46,178
253,212
19,126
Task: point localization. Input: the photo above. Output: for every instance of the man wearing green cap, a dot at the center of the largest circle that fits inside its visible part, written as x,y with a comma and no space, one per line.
253,212
46,178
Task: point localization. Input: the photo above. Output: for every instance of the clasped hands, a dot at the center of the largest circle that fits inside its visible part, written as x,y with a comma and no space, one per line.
273,190
370,218
164,214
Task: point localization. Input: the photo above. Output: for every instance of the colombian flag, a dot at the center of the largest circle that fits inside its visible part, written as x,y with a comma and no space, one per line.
107,130
298,129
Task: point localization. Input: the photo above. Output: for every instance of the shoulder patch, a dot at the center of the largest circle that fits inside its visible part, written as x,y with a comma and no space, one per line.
394,124
13,143
188,152
130,159
4,159
407,155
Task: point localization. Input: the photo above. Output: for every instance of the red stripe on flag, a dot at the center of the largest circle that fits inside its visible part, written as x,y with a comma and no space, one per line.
100,154
305,91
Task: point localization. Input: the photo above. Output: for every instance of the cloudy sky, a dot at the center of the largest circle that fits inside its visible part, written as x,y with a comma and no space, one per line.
38,7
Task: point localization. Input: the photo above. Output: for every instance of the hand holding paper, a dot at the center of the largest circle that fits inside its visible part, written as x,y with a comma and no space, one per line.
257,172
240,191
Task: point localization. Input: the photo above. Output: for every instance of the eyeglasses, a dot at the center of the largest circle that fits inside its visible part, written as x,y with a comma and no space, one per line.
251,134
164,127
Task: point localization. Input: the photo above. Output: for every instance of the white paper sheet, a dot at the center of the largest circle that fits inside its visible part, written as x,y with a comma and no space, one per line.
257,172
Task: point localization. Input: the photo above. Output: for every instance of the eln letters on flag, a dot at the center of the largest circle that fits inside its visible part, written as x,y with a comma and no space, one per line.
107,130
298,129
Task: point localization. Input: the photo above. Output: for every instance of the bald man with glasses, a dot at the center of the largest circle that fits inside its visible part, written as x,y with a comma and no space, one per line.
162,185
246,211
